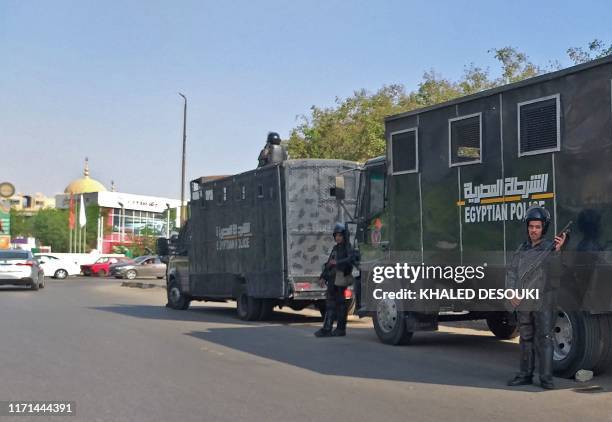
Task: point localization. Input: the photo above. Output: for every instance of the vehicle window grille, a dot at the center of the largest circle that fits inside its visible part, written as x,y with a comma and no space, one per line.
465,140
404,151
538,131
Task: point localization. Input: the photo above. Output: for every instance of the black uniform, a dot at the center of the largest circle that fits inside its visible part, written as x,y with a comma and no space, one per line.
535,267
335,306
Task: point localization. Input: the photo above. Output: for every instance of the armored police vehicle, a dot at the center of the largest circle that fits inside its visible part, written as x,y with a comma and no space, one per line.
454,186
260,237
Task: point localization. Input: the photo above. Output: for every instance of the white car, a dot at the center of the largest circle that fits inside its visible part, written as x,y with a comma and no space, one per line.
19,268
59,268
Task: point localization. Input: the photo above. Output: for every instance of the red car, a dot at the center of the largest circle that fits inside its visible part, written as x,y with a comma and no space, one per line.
100,267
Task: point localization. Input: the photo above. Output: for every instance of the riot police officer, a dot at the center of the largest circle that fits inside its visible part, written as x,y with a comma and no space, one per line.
336,273
536,264
272,151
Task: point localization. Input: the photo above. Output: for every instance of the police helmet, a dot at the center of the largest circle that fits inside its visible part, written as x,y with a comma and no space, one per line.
540,214
339,228
274,138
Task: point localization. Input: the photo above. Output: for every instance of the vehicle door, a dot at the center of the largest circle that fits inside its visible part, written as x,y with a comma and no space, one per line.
159,269
146,267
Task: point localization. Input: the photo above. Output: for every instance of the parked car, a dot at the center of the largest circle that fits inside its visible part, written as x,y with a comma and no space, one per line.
101,266
143,266
20,268
56,267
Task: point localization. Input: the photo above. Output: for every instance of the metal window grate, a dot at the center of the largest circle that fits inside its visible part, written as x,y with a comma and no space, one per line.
538,126
465,140
404,151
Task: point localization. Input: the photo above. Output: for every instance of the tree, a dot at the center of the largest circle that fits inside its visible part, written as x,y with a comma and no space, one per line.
353,129
21,224
595,50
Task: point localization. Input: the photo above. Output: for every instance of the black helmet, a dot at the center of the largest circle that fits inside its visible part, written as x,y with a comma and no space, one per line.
339,228
274,138
540,214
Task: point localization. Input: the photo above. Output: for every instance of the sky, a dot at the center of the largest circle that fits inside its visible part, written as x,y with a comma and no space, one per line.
101,79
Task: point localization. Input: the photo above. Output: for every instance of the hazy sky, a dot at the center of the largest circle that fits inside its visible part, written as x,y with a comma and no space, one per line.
100,79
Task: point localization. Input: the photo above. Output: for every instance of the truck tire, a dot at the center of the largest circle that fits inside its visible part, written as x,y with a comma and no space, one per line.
176,298
575,338
604,361
389,323
267,309
503,325
248,307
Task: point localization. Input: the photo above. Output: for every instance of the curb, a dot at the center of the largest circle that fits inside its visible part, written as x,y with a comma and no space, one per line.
141,285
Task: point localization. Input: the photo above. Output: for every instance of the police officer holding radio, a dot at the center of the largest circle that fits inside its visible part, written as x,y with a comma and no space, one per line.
337,274
536,264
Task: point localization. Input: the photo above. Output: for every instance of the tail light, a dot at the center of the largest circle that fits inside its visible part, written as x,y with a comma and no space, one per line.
348,293
28,263
304,285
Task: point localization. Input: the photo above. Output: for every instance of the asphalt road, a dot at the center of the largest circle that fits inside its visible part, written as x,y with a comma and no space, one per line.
120,355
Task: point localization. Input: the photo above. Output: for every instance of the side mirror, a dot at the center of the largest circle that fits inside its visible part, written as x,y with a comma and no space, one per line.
338,190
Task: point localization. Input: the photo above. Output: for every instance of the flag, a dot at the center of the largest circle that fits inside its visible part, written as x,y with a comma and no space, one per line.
71,214
82,217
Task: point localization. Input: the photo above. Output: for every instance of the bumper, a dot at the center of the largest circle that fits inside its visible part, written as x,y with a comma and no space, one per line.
24,281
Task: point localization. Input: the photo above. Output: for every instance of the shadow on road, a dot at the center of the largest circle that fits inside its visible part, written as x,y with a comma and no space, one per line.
215,314
433,358
445,358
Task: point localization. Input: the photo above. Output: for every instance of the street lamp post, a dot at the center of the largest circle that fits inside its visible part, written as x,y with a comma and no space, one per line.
167,221
183,161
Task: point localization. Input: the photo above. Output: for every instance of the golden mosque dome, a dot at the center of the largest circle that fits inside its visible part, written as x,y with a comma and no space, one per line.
85,184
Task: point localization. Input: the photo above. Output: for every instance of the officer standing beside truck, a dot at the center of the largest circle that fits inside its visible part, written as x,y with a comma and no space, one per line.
536,264
337,275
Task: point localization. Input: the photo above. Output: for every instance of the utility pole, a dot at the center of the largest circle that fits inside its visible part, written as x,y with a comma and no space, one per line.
183,209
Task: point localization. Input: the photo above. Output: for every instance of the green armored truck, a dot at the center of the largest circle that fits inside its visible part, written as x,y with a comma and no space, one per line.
454,186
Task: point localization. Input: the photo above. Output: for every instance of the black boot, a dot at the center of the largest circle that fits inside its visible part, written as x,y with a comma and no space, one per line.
525,376
326,330
546,363
340,330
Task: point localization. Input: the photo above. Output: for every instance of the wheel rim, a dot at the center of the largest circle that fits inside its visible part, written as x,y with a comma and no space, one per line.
131,275
175,294
61,274
386,315
563,335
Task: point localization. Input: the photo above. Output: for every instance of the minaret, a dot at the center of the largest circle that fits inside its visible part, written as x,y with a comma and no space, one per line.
112,186
86,170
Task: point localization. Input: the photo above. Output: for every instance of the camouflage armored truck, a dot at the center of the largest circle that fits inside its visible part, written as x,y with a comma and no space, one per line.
454,186
259,237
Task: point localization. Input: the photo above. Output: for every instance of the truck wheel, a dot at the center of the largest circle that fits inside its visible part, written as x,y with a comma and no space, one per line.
604,360
248,307
389,323
267,309
131,275
60,274
503,325
176,298
575,341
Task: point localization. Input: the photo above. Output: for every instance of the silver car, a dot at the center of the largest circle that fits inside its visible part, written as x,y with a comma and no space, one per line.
143,266
20,268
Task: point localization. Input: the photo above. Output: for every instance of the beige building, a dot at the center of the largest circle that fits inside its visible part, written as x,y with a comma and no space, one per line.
30,204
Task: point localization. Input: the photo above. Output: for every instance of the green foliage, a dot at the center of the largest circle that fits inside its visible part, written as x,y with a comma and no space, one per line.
21,224
353,129
50,227
595,50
